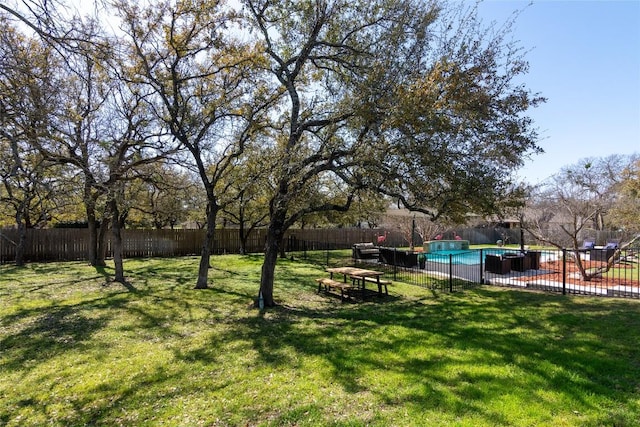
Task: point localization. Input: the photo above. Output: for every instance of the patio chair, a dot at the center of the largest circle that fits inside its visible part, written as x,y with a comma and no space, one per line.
497,264
612,244
588,244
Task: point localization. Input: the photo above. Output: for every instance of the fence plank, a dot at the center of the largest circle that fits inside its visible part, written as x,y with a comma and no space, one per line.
73,244
69,244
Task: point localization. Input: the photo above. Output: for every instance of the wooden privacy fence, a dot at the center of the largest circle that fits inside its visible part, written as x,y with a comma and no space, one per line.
68,244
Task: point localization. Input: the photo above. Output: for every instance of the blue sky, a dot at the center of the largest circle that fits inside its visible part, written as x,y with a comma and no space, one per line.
585,59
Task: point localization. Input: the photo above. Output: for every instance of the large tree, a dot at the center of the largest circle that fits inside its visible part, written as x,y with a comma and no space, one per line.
28,93
77,131
99,123
457,125
82,84
198,76
132,141
412,99
108,132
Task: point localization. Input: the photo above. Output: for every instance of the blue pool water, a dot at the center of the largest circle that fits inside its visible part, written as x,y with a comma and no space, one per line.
465,257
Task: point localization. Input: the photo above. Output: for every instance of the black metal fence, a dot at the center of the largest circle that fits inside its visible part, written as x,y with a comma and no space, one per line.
555,271
547,270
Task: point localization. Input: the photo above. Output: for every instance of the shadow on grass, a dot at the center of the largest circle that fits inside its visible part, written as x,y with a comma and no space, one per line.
102,270
460,354
486,346
54,330
34,333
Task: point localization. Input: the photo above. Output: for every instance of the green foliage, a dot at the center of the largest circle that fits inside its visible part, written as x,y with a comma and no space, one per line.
29,185
161,197
457,125
414,99
626,212
245,190
78,349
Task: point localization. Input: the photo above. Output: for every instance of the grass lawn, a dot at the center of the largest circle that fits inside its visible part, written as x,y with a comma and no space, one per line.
76,349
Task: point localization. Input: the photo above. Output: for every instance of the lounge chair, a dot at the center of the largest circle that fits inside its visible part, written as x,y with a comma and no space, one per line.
588,244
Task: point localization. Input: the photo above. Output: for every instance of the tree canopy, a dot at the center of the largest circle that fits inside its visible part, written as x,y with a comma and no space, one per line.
325,102
417,101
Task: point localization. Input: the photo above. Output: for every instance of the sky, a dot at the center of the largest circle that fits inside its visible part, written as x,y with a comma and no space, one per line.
584,57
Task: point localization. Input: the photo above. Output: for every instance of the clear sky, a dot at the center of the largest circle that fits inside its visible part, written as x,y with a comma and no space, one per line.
585,59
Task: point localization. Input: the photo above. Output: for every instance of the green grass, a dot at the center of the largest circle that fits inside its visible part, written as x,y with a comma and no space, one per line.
76,349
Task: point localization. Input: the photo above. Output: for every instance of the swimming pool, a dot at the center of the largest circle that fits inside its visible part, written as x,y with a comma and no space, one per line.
465,257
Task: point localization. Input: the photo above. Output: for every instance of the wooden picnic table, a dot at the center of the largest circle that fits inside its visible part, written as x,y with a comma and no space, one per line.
359,276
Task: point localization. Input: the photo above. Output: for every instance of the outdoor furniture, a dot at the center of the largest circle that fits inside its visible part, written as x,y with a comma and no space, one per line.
519,262
588,244
407,259
387,256
602,255
497,264
359,277
512,261
534,259
365,251
612,244
330,284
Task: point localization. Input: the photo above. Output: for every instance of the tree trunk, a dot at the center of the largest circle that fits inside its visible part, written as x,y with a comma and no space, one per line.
92,229
275,234
117,242
242,236
580,265
203,270
101,248
22,240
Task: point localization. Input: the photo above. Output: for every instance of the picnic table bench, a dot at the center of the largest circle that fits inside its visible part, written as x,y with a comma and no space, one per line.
353,279
376,279
330,284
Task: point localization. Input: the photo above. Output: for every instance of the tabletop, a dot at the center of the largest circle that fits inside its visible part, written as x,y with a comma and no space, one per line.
355,271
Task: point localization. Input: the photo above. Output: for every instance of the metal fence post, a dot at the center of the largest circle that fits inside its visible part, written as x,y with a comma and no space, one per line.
481,268
395,265
564,271
450,272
